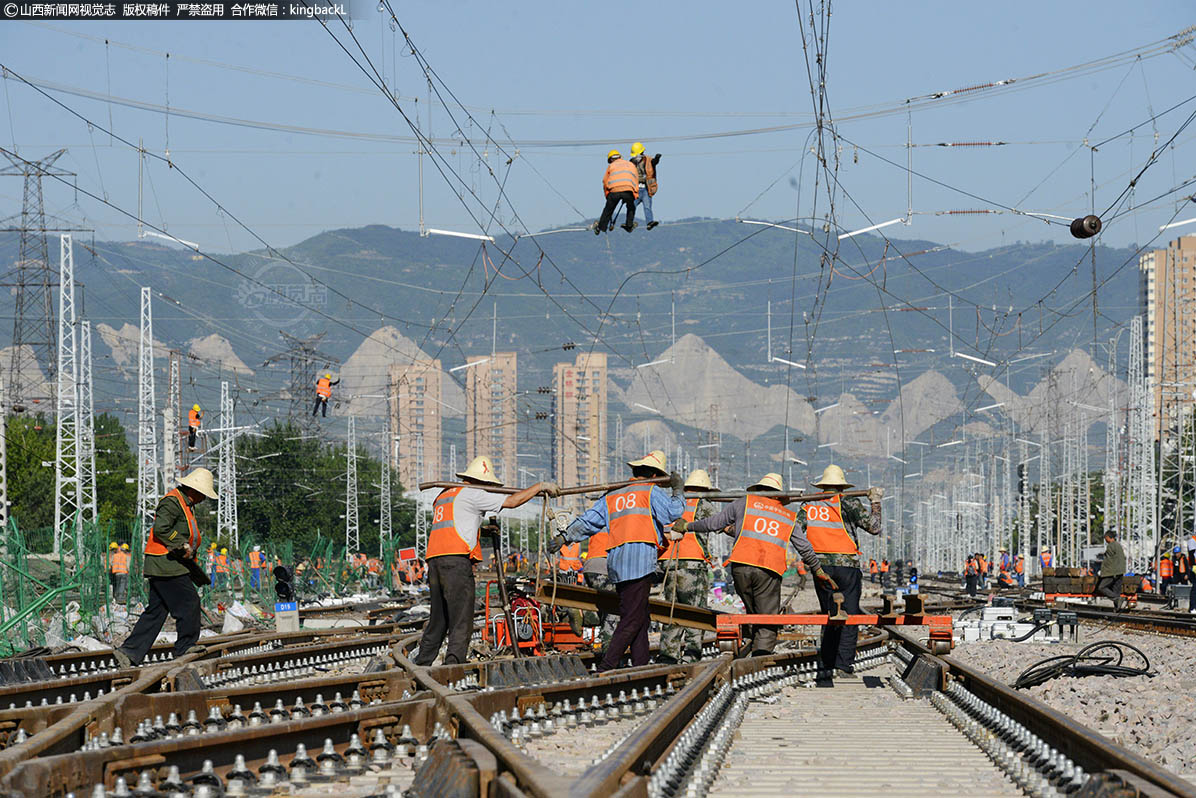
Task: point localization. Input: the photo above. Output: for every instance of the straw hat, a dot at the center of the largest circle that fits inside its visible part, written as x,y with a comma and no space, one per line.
699,480
480,470
832,477
654,459
200,479
768,482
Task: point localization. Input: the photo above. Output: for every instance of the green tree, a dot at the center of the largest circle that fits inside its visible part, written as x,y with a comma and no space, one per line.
31,485
116,464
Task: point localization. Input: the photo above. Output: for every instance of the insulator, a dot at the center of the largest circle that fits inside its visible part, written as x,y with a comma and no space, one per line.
1085,226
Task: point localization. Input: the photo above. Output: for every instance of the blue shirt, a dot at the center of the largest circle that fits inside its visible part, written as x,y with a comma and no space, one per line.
631,560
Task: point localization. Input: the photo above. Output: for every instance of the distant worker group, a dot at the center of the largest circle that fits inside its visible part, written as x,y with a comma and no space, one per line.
632,182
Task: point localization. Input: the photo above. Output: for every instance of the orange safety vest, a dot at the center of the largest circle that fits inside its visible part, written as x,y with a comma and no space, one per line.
764,532
120,562
193,418
872,567
1019,565
154,546
374,566
444,538
825,529
970,569
650,176
621,175
255,559
629,515
688,548
983,565
1146,584
324,387
599,543
570,558
1044,559
222,563
1181,564
1165,569
884,566
801,567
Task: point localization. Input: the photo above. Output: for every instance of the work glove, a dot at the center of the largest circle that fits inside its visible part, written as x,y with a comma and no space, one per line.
680,526
677,483
550,488
562,522
825,578
674,535
555,545
875,494
656,159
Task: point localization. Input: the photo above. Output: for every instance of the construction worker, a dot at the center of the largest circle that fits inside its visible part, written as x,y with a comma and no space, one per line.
620,184
173,538
1004,561
255,567
595,576
971,575
453,548
830,525
1166,574
873,570
119,566
222,569
884,574
569,563
1044,559
686,572
646,167
763,529
323,392
982,566
636,517
1180,563
1112,571
194,419
1019,570
211,562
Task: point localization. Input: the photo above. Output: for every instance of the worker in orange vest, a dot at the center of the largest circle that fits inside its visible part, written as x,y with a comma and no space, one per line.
982,567
255,567
884,574
453,548
1044,559
646,167
1180,563
194,419
323,392
831,526
687,574
119,570
1019,570
636,516
873,570
620,183
568,563
971,574
173,540
764,528
221,569
595,575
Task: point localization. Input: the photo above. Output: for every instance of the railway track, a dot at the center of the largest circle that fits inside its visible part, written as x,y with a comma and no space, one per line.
372,723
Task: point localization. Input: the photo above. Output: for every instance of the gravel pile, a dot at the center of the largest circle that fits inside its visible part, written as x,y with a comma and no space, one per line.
1152,716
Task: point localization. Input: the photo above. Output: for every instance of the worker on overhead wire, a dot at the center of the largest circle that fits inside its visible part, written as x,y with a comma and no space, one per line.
687,572
453,548
636,516
323,392
194,419
831,526
763,528
173,540
646,167
620,184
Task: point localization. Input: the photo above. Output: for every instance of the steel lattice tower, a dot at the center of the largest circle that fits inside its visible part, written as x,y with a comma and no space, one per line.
87,431
352,531
303,358
1141,499
147,443
4,406
384,515
170,425
67,534
34,337
226,509
421,521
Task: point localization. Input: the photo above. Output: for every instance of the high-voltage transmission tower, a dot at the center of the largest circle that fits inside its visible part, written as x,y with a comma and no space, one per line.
147,443
32,280
1141,488
306,362
352,531
170,424
4,407
384,516
421,520
68,538
87,432
226,509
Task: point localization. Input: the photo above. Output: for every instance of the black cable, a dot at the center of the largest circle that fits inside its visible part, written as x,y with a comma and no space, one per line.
1032,632
1091,660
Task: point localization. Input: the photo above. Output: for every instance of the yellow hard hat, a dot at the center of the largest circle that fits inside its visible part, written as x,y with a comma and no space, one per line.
481,470
114,545
653,459
327,376
699,479
832,478
124,547
195,408
637,148
224,551
613,154
213,546
768,482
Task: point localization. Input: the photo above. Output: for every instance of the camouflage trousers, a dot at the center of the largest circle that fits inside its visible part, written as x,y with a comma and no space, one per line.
600,581
689,583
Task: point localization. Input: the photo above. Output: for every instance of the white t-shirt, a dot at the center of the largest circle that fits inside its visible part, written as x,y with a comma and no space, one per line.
470,508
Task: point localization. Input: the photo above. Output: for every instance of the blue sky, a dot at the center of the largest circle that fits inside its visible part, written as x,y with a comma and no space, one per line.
610,73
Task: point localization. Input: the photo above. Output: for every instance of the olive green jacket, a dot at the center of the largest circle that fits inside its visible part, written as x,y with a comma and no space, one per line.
170,528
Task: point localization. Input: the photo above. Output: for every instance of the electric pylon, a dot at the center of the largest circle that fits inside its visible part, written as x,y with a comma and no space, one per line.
68,539
147,443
